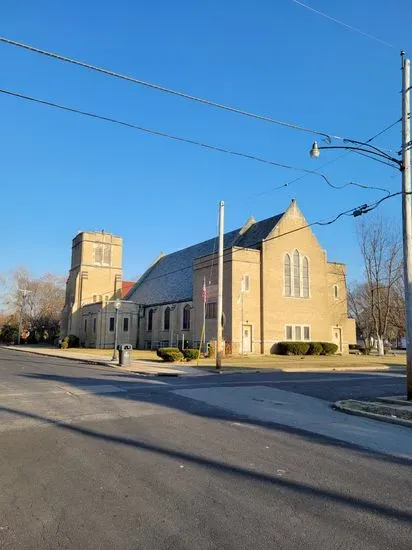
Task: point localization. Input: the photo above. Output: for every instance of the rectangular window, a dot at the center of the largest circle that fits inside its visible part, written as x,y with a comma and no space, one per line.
306,333
94,325
211,310
98,253
107,254
298,333
85,325
111,324
289,334
246,283
126,324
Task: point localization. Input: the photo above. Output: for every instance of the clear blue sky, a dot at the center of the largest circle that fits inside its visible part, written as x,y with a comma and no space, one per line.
62,173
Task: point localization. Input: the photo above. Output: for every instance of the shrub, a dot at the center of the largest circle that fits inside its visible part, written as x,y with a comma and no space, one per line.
64,344
211,350
190,354
170,354
315,348
293,348
354,347
9,333
73,341
329,348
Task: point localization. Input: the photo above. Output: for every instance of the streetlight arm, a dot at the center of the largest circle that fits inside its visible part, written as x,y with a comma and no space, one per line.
377,153
366,144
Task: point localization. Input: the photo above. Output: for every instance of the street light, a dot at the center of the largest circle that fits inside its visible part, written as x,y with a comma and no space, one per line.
117,305
404,166
314,152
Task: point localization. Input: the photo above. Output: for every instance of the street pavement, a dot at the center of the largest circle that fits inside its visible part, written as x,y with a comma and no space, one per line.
97,458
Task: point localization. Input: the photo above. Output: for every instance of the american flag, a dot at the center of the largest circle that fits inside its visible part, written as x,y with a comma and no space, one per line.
204,292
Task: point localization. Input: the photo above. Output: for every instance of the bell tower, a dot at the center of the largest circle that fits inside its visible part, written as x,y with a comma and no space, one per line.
95,275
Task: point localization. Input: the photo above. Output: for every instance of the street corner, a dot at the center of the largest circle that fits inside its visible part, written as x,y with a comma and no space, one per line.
394,410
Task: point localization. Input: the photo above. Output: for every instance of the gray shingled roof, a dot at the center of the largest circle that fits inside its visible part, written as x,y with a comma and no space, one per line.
170,279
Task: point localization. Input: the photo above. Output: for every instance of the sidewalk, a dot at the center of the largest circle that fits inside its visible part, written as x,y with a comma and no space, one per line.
396,409
139,367
310,414
235,365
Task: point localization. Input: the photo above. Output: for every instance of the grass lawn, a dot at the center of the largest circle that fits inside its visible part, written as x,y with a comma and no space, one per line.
271,361
137,354
312,361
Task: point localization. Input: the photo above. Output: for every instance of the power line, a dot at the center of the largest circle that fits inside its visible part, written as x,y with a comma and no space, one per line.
189,141
168,90
158,133
351,212
339,22
299,178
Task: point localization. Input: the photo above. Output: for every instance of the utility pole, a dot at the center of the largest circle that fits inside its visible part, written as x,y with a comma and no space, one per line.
407,215
219,315
117,305
242,290
23,301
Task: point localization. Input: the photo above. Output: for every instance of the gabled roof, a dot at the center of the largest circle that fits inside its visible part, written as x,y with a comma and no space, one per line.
127,287
170,278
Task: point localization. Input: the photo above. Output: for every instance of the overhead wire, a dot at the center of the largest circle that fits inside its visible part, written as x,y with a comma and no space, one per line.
164,89
339,157
339,22
200,264
161,134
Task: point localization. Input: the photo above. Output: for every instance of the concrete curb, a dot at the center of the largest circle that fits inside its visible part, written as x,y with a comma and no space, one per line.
344,407
94,362
333,369
79,359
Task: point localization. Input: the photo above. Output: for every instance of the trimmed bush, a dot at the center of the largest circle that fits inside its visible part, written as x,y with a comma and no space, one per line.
190,354
293,348
64,344
212,350
73,341
315,348
170,355
329,348
9,333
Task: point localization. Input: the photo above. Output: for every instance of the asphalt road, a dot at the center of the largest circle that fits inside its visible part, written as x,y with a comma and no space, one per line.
96,458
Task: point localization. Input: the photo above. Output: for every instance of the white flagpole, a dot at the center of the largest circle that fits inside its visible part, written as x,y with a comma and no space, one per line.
204,312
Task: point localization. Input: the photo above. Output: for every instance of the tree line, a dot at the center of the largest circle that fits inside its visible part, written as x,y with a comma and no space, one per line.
40,308
377,302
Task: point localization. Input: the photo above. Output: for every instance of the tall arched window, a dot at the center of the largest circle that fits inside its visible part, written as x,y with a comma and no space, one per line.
288,279
305,277
186,318
166,319
150,320
296,273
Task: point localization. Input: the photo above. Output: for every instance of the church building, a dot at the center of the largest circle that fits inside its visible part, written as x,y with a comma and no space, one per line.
277,285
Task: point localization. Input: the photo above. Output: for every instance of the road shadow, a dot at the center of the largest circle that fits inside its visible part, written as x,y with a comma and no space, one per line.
152,393
303,489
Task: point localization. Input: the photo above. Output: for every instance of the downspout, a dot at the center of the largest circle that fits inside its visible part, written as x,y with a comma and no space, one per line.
262,301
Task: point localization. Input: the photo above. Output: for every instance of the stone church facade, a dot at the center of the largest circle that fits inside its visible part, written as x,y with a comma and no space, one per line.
278,285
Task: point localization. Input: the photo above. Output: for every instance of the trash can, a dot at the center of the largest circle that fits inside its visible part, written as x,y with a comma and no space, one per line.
125,356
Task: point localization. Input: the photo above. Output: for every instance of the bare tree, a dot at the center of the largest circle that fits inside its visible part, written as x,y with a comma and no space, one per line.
360,310
381,250
43,303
